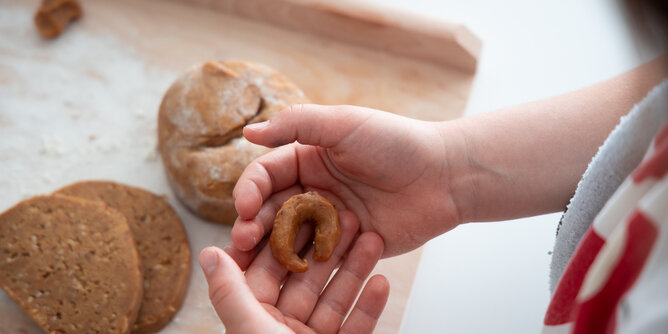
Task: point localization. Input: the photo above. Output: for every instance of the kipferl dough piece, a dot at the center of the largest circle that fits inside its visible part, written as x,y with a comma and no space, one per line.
161,242
199,130
71,264
308,207
54,15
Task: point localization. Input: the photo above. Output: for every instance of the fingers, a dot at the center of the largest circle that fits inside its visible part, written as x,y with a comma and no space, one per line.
369,306
231,297
265,275
270,173
309,124
340,293
300,292
247,233
244,258
315,125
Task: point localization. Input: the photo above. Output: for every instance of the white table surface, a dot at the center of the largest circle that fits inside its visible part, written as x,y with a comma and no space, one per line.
493,277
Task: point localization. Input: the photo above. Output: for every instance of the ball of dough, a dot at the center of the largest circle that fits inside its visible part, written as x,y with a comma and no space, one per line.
199,130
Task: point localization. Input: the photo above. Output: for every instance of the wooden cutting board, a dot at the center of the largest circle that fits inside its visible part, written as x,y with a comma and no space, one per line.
84,106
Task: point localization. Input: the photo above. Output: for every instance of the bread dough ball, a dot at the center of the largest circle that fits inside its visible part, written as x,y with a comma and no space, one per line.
199,130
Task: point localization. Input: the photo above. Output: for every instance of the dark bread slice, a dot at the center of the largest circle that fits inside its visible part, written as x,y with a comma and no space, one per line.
71,264
161,241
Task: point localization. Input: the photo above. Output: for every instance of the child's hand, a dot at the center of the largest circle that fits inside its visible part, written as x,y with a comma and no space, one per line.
268,300
391,171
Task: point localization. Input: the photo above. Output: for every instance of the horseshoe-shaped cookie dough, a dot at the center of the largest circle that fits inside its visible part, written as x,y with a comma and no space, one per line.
293,214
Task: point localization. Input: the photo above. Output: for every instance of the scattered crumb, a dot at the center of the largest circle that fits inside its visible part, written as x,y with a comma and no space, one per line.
75,112
107,146
151,145
140,113
52,146
4,122
48,178
152,155
52,17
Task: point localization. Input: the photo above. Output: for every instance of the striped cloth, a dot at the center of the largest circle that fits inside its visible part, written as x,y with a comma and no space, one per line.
617,279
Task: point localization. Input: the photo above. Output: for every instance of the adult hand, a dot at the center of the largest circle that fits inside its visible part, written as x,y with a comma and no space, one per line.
268,300
391,171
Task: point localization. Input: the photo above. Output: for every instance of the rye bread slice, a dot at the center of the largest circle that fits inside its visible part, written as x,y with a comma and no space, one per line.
71,264
161,241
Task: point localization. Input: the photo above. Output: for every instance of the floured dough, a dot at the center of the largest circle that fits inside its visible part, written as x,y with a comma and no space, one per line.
199,130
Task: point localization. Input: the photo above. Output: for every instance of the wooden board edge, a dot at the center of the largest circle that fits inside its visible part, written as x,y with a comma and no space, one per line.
364,24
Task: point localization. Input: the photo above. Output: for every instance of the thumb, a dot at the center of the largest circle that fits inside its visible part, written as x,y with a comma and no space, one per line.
230,295
309,124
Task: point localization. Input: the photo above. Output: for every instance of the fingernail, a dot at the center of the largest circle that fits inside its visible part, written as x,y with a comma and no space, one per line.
227,249
208,260
257,126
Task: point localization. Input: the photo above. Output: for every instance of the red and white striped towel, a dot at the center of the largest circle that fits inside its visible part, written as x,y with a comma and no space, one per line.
617,279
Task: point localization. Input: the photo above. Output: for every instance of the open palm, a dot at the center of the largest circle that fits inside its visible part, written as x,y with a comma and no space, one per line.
389,170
